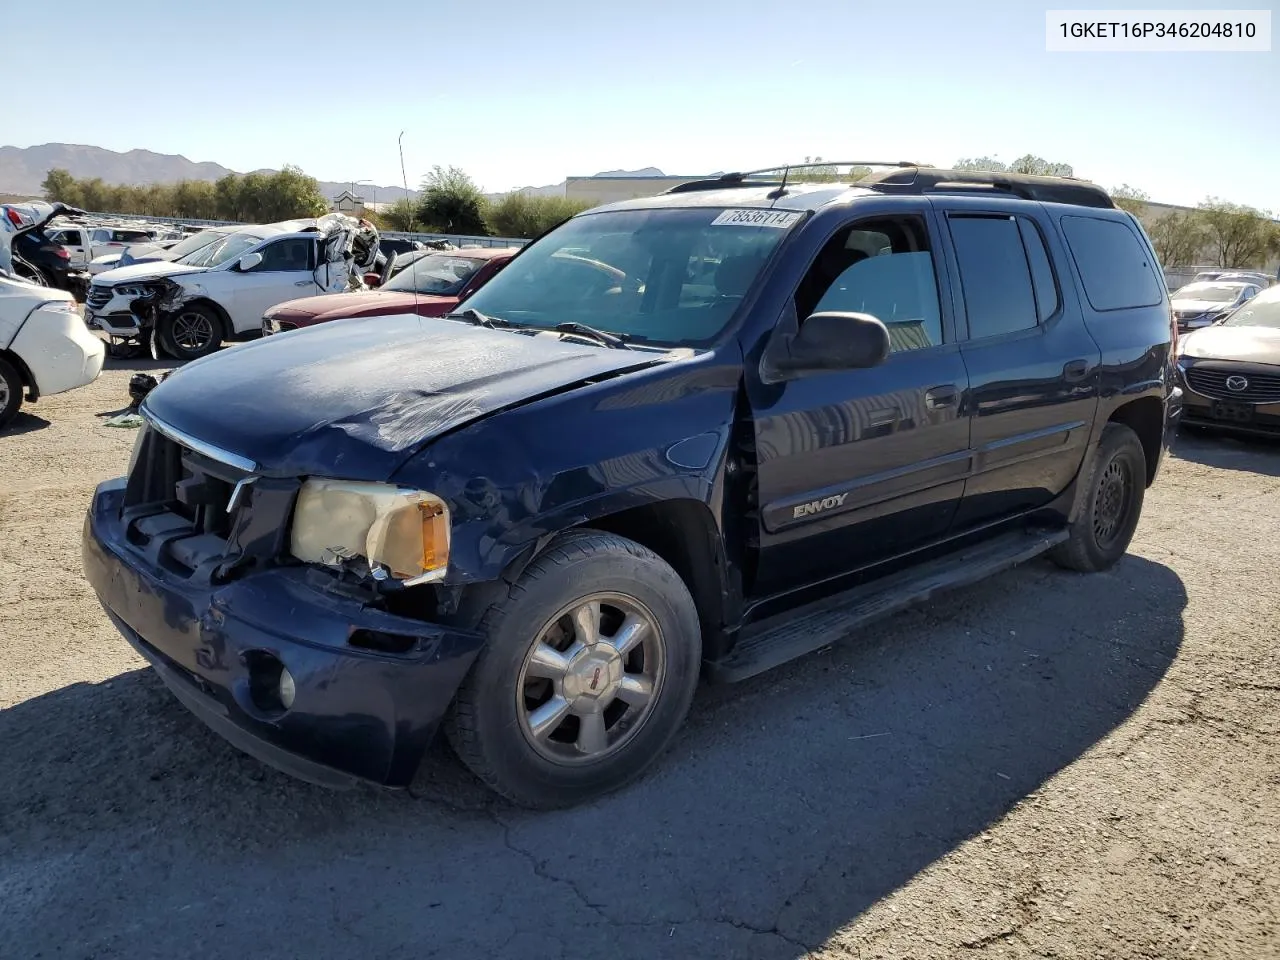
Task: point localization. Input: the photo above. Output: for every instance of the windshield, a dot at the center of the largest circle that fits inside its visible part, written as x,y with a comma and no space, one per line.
1258,312
194,243
220,251
671,276
1216,292
435,274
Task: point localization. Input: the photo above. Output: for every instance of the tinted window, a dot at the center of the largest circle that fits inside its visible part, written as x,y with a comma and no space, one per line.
285,255
994,275
70,237
883,268
1042,279
1114,264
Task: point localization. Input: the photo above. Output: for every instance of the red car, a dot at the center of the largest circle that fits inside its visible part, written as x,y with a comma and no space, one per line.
431,285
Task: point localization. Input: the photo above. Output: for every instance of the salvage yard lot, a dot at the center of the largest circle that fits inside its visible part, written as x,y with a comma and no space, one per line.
1044,765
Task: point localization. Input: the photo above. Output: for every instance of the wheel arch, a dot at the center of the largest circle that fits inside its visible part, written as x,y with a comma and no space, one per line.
1145,417
28,378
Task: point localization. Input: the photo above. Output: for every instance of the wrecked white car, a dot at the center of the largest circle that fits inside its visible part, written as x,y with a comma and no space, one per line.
189,306
45,347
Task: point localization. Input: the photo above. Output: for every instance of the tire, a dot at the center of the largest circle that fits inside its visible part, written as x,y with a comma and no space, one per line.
191,332
10,392
491,724
30,274
1115,488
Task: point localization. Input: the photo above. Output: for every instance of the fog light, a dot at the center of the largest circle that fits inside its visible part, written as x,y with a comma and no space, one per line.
286,690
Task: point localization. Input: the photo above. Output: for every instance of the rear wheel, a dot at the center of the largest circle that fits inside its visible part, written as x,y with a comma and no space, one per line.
30,274
10,392
591,665
1116,486
191,332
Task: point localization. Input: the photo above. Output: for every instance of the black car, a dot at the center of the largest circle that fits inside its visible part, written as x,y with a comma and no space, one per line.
48,263
692,435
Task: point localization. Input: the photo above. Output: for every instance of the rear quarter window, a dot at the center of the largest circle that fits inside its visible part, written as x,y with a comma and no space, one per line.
1115,267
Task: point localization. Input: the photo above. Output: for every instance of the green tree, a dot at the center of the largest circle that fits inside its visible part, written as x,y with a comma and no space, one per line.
1131,198
1178,236
1028,163
521,215
452,203
60,186
1239,236
401,216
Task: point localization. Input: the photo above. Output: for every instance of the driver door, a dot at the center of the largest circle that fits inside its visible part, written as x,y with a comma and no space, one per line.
857,466
287,272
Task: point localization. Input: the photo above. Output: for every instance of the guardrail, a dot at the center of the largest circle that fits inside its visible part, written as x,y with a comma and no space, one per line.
457,240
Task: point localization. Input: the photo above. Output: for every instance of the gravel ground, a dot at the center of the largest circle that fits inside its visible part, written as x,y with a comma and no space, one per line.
1046,765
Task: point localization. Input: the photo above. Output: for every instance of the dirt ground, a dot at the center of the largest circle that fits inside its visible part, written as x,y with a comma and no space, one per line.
1045,765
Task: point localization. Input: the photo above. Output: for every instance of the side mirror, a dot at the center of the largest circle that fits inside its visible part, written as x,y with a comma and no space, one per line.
828,341
250,260
372,280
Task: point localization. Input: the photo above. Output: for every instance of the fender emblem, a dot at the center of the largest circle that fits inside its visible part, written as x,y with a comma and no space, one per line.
818,506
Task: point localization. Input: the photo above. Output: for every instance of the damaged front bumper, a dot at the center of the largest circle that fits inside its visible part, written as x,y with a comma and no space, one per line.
352,713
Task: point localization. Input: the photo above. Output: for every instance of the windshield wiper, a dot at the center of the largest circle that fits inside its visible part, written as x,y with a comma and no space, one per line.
474,316
610,340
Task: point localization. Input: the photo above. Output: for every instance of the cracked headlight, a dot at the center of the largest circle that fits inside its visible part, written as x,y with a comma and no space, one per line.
399,532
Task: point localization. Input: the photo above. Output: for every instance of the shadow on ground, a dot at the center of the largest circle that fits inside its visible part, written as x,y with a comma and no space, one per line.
23,423
1259,455
789,805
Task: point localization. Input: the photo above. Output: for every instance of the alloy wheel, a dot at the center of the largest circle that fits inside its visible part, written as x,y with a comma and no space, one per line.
192,332
591,678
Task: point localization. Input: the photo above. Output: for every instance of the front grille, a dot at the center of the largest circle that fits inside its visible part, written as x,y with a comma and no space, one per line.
99,296
176,503
1212,382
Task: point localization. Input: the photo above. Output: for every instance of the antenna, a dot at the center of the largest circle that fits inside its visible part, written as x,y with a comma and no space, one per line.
404,179
782,187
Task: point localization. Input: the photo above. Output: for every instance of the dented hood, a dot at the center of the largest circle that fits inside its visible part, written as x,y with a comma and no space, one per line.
148,270
355,399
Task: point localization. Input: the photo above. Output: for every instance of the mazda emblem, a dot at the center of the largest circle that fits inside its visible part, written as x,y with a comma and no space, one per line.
1237,384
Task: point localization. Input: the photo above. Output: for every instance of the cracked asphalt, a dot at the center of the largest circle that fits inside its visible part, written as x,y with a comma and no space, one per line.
1045,765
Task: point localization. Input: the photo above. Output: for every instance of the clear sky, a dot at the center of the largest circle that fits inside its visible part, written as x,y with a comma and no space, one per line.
521,93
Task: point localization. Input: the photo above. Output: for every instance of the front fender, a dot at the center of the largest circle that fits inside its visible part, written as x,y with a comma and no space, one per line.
513,479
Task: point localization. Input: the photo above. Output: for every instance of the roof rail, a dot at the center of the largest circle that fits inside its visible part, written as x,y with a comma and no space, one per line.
782,173
912,178
1081,193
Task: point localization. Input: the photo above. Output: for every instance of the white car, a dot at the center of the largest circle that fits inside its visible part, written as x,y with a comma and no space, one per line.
45,347
85,243
189,306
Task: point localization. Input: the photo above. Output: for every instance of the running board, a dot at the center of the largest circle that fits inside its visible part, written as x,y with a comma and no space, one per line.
787,636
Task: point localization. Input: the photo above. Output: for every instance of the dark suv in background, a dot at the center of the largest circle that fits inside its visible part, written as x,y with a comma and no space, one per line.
692,435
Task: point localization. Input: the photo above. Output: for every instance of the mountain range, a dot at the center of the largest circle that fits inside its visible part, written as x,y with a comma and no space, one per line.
23,169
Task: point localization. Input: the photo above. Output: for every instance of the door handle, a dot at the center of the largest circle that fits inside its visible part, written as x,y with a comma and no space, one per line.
940,397
302,283
1075,370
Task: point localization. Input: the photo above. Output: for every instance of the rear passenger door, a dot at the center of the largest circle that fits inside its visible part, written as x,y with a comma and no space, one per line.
1033,367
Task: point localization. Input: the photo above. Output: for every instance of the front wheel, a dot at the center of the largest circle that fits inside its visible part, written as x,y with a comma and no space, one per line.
1115,487
590,668
192,332
10,392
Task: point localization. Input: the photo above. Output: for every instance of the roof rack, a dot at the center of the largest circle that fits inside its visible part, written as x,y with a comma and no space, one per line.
912,178
1081,193
781,174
